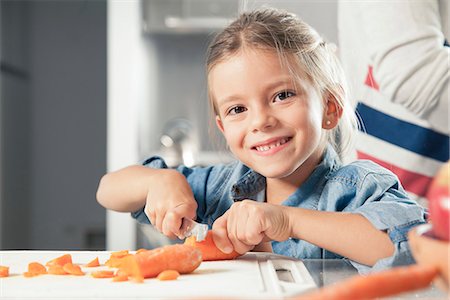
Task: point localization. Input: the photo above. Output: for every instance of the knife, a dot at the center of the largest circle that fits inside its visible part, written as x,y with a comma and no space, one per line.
190,227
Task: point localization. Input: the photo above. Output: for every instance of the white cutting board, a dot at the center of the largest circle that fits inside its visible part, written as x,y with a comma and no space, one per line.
251,276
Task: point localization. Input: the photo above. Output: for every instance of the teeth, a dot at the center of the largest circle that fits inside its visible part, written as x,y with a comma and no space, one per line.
268,147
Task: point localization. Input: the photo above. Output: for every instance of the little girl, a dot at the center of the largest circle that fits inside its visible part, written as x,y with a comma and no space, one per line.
279,99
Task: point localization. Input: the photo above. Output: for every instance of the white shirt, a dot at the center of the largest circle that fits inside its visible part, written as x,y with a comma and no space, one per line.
402,43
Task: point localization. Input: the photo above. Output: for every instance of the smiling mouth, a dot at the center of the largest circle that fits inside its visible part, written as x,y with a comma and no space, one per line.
267,147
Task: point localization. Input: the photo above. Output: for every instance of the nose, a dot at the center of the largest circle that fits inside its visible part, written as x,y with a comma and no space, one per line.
262,119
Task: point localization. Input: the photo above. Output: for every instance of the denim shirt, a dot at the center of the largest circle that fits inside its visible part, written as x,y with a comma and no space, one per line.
361,187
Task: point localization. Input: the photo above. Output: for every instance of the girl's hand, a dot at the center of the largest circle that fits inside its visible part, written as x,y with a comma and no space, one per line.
248,223
169,200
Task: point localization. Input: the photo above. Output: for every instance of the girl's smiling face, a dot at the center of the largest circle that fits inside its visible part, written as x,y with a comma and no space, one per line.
271,123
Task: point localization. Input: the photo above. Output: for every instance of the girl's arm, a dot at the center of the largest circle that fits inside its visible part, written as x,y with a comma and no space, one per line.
125,190
248,223
348,234
164,193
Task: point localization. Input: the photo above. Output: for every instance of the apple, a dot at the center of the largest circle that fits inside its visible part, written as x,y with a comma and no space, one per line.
439,203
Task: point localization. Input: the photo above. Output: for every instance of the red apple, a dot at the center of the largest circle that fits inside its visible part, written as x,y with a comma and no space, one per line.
439,203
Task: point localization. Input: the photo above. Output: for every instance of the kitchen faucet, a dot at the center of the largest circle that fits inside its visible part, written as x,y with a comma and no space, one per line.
179,142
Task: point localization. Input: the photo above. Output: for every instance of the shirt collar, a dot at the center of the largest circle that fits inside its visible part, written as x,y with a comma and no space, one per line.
252,183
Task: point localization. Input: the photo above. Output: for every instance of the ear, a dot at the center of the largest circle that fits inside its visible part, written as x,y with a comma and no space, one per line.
219,124
332,113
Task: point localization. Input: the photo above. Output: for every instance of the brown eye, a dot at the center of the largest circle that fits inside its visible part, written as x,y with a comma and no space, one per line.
283,95
236,110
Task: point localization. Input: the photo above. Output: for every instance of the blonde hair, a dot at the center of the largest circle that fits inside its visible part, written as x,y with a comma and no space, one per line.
285,33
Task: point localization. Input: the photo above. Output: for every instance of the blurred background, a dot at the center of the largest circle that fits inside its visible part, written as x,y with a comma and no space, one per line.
92,86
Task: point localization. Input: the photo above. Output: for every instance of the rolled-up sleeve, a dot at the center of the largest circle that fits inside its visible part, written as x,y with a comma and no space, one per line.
155,162
389,209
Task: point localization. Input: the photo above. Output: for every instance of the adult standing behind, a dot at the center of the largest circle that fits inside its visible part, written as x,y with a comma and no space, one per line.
398,56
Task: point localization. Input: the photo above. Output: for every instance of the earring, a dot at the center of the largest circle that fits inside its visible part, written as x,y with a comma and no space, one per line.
328,122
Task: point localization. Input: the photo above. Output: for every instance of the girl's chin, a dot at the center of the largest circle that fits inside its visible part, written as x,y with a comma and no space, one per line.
276,173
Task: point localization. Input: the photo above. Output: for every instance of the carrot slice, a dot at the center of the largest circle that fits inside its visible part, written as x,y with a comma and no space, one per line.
181,258
73,269
120,276
168,275
61,260
93,263
114,262
56,270
35,269
103,274
115,258
377,285
4,271
120,253
209,249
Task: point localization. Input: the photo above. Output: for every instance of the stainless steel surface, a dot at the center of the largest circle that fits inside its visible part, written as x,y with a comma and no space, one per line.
187,16
180,140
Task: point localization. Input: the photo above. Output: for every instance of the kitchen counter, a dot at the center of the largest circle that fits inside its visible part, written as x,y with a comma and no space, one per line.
252,276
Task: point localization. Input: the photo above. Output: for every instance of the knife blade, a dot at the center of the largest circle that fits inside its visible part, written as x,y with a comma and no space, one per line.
190,227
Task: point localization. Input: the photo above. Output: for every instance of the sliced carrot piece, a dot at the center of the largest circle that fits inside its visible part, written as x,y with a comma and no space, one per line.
178,257
141,250
120,253
93,263
30,274
118,278
38,268
73,269
115,258
114,262
56,270
168,275
4,271
209,249
61,260
103,274
35,269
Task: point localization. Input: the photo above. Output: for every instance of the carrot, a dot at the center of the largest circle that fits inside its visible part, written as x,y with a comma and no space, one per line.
120,278
73,269
381,284
146,264
56,270
209,249
35,269
61,260
103,274
115,258
93,263
4,271
168,275
119,254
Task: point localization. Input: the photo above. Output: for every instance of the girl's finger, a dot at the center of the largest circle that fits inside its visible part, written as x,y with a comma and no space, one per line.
150,215
240,246
172,223
220,235
234,231
158,222
253,234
